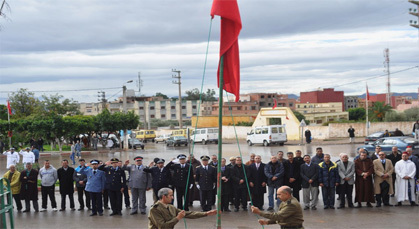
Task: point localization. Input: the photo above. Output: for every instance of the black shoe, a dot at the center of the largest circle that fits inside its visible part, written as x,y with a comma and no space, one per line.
313,208
62,209
80,209
369,205
413,204
341,207
306,208
133,213
27,210
113,213
244,209
106,207
388,205
270,209
119,213
398,204
143,213
93,214
359,205
351,206
227,210
73,209
378,205
326,207
236,210
392,195
331,207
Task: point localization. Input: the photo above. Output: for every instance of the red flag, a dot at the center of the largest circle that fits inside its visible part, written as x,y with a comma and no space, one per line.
368,94
9,109
287,117
229,46
275,104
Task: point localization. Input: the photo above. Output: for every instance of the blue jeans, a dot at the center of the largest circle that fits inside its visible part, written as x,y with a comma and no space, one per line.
271,193
72,157
328,196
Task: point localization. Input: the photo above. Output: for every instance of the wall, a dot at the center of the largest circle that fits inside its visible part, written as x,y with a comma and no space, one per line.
212,121
340,129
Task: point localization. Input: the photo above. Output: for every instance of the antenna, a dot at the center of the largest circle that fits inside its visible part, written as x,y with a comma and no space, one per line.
387,69
139,83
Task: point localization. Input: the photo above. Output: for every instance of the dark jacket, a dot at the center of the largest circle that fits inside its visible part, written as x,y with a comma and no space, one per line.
292,170
393,158
206,179
29,188
66,180
160,179
351,132
309,173
278,172
317,159
80,174
226,186
180,175
238,174
115,178
329,175
257,177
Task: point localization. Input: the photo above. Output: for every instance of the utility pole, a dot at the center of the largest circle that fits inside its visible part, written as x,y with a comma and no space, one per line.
140,85
124,107
102,99
414,12
178,82
387,66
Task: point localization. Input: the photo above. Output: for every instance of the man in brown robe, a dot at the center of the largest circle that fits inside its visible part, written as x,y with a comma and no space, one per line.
364,189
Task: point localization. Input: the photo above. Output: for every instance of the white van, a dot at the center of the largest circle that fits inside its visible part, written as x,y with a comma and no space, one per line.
267,135
205,135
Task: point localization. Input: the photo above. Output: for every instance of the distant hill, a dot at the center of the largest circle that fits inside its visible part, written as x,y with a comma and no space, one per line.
293,96
413,94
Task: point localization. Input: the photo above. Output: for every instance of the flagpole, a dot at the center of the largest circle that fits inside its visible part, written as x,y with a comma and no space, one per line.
366,96
220,140
8,119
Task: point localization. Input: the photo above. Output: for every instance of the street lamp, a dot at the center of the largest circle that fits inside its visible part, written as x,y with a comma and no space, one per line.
124,106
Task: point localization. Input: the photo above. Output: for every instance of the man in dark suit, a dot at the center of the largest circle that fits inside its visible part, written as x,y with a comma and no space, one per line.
257,182
240,175
161,177
309,173
292,175
225,185
115,182
206,178
181,182
65,176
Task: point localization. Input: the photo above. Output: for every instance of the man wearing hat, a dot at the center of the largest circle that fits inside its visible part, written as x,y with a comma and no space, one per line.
206,178
181,181
115,180
139,183
80,177
12,157
27,156
161,177
95,186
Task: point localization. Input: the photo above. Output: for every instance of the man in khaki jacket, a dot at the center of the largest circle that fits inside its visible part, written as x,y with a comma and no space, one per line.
164,215
14,177
383,180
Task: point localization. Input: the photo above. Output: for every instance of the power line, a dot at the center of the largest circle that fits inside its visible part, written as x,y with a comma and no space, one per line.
91,89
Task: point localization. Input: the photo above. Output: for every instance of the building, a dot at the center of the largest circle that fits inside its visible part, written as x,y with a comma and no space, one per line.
403,107
319,113
92,108
351,102
326,95
394,100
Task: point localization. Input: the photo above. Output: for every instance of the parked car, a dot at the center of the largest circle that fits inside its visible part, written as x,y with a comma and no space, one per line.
387,144
162,138
205,135
266,135
135,143
177,141
375,136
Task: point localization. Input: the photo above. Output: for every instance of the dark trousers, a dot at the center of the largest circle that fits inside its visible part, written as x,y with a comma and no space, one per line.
106,198
346,190
96,198
80,191
240,196
328,196
296,193
206,199
18,202
28,204
48,191
71,197
180,198
380,198
257,200
116,200
224,202
126,197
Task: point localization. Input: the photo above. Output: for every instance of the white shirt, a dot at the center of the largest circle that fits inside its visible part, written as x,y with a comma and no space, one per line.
28,157
12,158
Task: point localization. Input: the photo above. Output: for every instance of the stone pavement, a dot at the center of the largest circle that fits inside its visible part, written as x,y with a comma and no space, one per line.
384,217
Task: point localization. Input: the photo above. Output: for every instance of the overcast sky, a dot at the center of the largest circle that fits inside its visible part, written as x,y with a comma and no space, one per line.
286,46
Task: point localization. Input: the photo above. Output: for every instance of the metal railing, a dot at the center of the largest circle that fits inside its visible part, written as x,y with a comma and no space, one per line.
6,204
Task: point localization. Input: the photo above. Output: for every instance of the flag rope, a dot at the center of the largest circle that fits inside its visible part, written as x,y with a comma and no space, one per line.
241,155
196,123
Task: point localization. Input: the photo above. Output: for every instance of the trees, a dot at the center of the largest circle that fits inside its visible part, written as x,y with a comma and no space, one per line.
23,103
159,94
300,117
52,104
357,114
195,95
378,111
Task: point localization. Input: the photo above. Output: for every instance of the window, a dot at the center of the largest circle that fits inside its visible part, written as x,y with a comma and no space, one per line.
264,130
291,104
258,131
269,104
151,108
141,108
163,116
183,107
152,116
173,116
89,110
274,130
163,107
262,96
172,107
298,106
194,107
253,108
184,115
230,108
269,96
305,106
194,114
239,108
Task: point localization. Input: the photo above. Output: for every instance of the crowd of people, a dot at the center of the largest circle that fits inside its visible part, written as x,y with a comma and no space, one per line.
376,177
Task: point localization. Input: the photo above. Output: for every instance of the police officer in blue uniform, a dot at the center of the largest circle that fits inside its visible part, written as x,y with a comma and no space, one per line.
115,182
95,186
206,178
180,181
161,177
